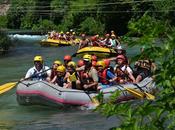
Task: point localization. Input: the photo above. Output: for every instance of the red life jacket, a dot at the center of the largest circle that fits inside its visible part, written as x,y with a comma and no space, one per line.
85,78
103,77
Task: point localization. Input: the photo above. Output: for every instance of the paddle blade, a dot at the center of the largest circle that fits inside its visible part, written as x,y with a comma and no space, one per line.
95,101
6,87
135,93
149,96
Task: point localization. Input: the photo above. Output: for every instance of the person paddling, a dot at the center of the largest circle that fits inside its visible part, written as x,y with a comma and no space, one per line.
35,73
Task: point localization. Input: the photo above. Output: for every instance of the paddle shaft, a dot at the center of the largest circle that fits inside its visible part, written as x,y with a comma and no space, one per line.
36,74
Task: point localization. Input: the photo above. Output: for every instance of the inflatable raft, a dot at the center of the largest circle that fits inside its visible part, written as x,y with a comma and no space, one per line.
100,52
44,93
52,42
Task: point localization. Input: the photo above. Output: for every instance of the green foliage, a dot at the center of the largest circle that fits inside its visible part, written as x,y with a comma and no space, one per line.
91,26
5,42
3,21
44,25
159,37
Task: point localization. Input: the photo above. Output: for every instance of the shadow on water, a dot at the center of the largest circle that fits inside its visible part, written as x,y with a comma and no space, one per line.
13,116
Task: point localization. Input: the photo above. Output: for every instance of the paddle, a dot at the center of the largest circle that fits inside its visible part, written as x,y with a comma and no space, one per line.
6,87
138,94
148,95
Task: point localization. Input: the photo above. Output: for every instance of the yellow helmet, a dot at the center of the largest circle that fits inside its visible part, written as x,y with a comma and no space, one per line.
57,62
101,63
38,58
61,68
72,64
87,57
73,33
67,32
61,32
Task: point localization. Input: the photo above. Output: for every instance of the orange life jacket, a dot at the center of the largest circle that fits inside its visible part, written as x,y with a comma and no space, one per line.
103,77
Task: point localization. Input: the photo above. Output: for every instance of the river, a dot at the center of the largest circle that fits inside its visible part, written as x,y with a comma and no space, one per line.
13,116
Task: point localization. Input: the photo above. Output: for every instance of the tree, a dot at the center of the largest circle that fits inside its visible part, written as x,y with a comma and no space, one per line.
158,35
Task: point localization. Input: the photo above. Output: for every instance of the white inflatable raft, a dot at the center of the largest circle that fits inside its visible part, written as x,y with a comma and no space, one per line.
44,93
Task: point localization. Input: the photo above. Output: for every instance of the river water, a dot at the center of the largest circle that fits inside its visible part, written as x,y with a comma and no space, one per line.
13,116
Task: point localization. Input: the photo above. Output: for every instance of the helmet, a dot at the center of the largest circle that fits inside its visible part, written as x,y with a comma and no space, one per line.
57,62
67,58
72,64
38,58
120,57
94,58
112,31
83,35
94,63
87,57
71,30
97,36
119,48
101,63
107,62
61,32
80,63
67,32
61,68
73,33
107,35
113,35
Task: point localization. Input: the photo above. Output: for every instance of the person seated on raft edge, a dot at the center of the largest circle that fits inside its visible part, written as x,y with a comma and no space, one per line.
120,51
59,78
123,71
71,77
143,68
89,76
106,77
95,41
84,42
108,41
56,63
36,71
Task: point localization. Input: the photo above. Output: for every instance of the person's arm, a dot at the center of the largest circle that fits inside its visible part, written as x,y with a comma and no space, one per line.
111,76
54,79
130,74
95,79
29,73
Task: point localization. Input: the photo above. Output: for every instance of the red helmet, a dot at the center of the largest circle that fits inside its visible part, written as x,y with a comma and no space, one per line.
80,63
67,58
93,39
94,63
120,57
94,58
107,62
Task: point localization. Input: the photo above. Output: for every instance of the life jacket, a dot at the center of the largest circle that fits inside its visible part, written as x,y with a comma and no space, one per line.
103,77
60,81
40,76
73,77
146,64
122,75
85,77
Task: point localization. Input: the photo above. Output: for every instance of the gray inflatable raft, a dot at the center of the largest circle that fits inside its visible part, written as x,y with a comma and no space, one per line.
44,93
